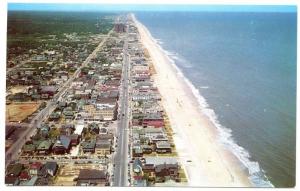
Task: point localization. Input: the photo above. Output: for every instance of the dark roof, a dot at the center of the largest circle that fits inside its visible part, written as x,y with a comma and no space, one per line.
51,166
103,144
68,126
36,165
65,141
15,169
93,126
146,147
42,172
54,115
160,167
148,167
103,130
137,163
89,144
42,181
87,174
11,180
24,175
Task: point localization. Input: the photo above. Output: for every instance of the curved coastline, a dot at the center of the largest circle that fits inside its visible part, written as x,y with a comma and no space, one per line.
208,143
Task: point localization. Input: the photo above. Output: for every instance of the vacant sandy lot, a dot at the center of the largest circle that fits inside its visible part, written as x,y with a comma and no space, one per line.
18,89
19,111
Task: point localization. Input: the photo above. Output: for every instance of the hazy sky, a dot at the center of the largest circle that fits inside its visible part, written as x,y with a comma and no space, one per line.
107,7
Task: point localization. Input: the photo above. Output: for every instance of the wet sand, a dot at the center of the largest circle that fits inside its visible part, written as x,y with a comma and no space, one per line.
207,163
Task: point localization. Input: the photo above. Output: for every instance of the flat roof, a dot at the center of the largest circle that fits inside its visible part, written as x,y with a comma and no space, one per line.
160,160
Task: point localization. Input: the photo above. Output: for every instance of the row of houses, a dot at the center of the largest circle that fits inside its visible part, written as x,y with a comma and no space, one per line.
45,68
147,113
31,174
148,140
74,107
149,135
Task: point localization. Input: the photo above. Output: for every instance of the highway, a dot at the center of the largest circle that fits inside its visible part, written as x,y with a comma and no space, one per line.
121,154
12,152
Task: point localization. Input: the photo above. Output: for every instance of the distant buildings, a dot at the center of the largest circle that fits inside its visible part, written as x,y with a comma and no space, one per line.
120,28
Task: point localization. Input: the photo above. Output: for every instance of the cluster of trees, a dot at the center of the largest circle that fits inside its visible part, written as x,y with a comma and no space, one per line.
25,29
24,22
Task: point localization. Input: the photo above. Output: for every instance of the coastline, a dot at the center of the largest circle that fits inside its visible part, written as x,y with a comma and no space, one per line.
211,163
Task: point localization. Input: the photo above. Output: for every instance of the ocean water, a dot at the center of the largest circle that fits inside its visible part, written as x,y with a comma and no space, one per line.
242,68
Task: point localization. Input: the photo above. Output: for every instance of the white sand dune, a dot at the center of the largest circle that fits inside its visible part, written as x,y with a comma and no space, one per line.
195,135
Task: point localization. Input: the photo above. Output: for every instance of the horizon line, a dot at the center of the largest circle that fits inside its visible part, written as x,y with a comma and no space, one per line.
80,7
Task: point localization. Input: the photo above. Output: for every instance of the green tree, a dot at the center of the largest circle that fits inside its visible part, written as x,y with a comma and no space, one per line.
54,132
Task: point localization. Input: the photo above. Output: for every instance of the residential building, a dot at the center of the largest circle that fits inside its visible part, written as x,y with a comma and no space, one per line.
91,177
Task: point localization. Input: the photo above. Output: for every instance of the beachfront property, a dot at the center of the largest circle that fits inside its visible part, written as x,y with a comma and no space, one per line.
150,134
74,141
156,170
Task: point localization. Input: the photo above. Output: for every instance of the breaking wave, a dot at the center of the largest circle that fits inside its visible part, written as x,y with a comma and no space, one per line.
256,174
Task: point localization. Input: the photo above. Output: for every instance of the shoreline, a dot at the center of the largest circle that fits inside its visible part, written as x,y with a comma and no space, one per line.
212,164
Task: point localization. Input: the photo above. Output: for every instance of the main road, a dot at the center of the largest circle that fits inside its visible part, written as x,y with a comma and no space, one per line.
12,152
121,154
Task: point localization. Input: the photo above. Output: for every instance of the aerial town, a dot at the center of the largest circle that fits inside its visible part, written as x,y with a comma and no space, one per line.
86,112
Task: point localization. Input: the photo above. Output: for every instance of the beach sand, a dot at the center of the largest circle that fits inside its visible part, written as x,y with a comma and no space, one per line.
206,162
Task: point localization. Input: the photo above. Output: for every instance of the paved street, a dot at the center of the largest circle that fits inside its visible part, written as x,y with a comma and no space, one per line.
121,156
12,152
9,70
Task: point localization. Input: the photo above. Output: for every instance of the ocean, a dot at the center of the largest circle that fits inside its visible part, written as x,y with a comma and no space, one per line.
242,68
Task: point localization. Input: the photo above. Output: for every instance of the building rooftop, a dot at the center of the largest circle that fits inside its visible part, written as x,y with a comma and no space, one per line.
160,160
44,145
14,169
51,166
90,174
49,89
30,182
163,144
90,144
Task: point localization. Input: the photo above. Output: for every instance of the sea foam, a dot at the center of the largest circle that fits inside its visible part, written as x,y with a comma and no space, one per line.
256,174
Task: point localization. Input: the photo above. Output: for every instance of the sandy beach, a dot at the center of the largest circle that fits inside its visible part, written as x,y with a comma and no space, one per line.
206,162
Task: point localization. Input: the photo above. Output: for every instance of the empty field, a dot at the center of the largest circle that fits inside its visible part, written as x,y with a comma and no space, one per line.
18,89
19,111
